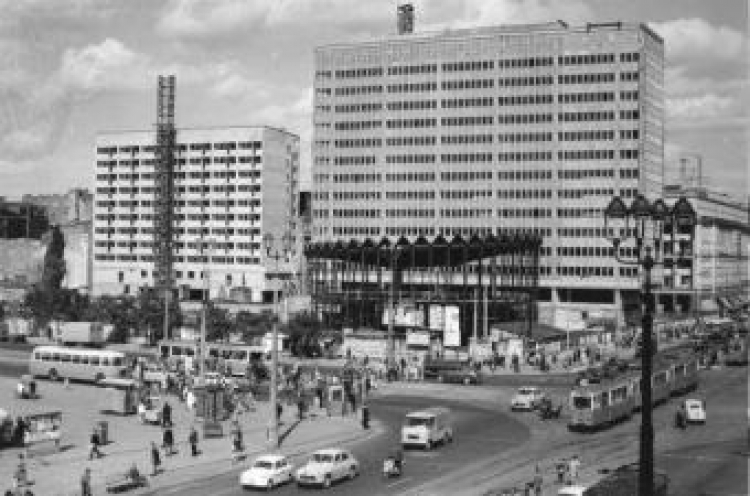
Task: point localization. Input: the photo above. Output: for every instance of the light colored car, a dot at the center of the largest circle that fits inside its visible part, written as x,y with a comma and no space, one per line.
695,411
326,467
527,398
574,490
267,471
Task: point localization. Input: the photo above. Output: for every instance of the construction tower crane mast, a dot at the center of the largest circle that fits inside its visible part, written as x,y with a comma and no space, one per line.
164,187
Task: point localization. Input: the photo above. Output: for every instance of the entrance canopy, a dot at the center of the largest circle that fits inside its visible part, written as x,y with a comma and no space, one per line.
423,253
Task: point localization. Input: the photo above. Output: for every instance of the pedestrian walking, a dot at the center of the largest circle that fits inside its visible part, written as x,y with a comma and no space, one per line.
166,415
21,477
561,467
238,447
538,481
574,465
94,445
168,441
279,410
193,440
86,482
155,459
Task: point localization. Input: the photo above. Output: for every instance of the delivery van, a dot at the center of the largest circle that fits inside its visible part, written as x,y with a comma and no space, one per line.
427,428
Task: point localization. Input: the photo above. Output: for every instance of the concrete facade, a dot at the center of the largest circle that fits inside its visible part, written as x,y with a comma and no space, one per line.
232,185
498,129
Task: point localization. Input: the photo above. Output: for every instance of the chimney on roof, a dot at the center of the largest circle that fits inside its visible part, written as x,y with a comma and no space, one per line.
405,18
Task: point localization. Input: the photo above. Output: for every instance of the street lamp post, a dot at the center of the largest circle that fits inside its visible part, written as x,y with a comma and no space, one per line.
647,230
276,253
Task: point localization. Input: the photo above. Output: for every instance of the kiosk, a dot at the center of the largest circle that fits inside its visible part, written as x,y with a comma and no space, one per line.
120,396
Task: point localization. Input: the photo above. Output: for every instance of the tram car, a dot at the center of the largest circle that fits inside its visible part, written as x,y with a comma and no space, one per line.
600,405
684,366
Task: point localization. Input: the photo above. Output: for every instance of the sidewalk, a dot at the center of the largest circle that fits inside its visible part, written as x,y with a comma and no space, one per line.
58,472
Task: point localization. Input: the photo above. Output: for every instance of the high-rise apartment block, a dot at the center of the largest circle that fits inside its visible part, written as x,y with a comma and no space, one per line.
232,185
497,129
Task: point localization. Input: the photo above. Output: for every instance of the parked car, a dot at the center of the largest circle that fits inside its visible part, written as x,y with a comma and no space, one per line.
527,398
327,466
267,471
695,411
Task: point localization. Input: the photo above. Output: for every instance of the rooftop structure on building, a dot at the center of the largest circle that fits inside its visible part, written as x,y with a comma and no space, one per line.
231,186
72,207
22,220
499,129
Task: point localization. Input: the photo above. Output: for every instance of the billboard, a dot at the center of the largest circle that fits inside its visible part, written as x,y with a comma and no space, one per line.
417,338
436,317
407,315
452,332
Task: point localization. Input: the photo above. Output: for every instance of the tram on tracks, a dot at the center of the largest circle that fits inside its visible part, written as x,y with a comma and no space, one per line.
615,398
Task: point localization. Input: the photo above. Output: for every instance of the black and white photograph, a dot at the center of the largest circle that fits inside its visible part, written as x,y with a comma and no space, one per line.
365,248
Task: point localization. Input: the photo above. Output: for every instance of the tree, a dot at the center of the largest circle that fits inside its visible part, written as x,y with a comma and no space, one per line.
253,325
304,334
53,270
45,300
218,323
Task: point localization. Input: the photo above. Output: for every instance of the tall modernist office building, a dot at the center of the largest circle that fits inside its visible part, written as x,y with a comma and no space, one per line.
495,129
232,186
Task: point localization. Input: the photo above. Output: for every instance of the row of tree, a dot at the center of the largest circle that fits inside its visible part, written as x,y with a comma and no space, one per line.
143,314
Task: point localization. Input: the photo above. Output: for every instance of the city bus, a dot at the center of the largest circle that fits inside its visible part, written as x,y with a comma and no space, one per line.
62,362
235,357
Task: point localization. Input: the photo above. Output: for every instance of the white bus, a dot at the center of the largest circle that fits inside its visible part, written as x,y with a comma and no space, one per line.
60,362
235,357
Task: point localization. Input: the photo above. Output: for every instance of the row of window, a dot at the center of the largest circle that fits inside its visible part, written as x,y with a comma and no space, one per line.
244,159
470,139
229,188
469,194
410,195
478,84
530,213
486,101
513,194
482,65
465,194
485,120
355,160
412,105
181,147
505,175
179,259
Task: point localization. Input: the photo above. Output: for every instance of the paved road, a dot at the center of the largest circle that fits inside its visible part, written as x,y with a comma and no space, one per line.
479,432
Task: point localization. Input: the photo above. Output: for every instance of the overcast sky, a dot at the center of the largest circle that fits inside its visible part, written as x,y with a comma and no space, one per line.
70,68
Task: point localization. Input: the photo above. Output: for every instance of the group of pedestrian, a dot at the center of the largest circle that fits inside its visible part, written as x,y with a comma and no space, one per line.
168,447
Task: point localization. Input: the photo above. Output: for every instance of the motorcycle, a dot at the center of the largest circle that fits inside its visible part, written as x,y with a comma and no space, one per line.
391,468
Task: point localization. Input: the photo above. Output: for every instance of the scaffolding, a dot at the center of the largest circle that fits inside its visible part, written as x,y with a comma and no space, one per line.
164,187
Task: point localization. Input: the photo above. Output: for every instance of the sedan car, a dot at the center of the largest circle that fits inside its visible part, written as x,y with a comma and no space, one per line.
695,411
327,466
267,471
527,398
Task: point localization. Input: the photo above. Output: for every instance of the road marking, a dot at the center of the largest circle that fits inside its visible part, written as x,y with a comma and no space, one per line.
399,482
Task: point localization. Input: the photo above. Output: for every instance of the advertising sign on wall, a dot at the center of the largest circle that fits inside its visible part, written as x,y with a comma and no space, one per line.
436,317
407,315
452,332
417,338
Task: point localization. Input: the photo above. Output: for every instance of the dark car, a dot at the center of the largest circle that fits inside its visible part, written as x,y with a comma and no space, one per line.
452,371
